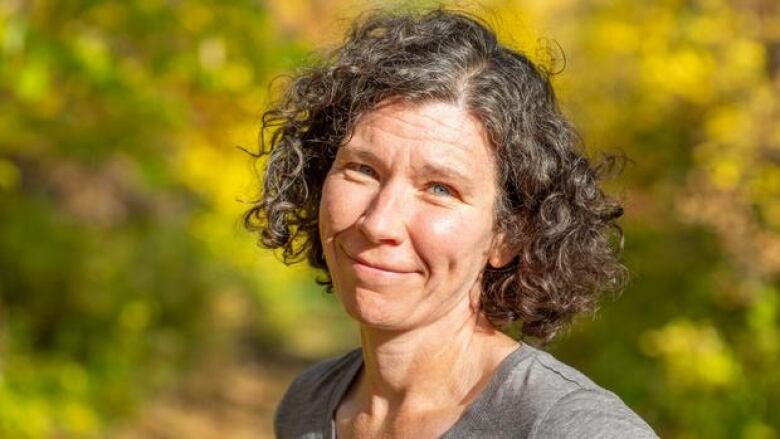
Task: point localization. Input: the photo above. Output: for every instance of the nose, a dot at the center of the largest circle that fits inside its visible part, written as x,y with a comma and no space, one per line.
384,220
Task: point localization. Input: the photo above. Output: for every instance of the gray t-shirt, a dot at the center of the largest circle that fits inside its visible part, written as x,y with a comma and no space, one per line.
532,395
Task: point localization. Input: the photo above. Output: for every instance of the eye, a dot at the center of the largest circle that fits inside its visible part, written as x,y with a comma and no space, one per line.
362,169
440,189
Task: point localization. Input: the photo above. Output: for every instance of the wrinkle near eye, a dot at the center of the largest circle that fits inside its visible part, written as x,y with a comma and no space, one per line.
448,191
364,169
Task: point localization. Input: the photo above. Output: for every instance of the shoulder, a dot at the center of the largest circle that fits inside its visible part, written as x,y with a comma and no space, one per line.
542,397
578,407
318,381
309,395
591,413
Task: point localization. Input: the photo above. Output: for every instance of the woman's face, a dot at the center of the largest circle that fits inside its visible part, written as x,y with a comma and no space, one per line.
407,214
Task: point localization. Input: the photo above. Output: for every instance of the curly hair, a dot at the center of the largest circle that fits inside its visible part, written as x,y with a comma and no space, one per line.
551,206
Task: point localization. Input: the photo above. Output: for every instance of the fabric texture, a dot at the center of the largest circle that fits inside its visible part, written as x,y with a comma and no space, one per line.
532,395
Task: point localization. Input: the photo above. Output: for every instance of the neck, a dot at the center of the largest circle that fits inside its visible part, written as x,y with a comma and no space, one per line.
444,363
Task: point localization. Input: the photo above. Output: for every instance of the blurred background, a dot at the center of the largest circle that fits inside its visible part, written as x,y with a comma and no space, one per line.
133,305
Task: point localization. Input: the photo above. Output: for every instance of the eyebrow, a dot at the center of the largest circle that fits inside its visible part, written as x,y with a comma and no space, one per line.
361,153
446,172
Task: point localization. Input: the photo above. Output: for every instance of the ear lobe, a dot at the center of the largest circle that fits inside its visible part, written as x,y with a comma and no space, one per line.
501,254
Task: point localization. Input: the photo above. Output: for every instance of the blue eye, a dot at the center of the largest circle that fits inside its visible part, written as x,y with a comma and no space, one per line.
362,169
366,169
441,190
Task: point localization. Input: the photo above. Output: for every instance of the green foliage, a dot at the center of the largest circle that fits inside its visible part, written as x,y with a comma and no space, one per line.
689,91
120,191
117,267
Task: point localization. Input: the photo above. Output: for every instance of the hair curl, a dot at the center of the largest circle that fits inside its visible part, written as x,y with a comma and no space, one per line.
551,206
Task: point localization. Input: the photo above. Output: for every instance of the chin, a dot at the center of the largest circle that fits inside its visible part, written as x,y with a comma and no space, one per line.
374,310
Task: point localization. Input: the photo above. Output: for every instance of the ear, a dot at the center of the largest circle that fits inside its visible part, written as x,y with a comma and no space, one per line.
501,253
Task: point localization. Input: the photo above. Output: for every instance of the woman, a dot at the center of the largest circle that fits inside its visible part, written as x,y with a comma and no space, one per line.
426,169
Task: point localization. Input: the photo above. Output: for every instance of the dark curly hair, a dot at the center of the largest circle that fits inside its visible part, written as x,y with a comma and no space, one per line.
551,205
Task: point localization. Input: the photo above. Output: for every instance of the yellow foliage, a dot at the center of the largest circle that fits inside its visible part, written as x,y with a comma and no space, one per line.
9,175
693,354
762,320
517,26
93,53
725,173
80,419
72,377
195,16
237,76
212,53
765,188
108,13
135,316
727,124
758,430
12,32
685,72
26,418
223,177
617,37
34,80
741,65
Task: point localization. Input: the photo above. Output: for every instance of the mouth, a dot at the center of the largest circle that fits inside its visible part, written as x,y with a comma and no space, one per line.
365,266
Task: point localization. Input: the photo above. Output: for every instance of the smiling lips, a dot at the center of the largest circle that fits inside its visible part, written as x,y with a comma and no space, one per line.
373,267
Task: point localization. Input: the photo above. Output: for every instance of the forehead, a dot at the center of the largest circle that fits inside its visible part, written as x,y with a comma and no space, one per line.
438,128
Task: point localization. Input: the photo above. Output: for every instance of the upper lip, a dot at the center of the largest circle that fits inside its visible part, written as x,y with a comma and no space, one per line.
364,261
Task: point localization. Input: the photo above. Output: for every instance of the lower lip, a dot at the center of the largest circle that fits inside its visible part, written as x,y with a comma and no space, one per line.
373,271
367,270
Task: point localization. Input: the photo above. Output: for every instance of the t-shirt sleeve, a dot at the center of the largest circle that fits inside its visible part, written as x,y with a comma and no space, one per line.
303,411
586,413
284,409
301,407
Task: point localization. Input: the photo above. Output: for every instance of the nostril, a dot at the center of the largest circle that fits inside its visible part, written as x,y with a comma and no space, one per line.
381,229
383,220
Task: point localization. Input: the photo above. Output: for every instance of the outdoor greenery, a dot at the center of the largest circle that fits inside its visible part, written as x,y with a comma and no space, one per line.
123,180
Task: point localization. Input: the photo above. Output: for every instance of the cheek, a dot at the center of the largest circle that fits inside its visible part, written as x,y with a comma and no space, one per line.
453,239
340,207
446,226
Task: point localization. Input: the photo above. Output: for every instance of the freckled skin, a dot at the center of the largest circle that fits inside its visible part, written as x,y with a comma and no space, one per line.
383,203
